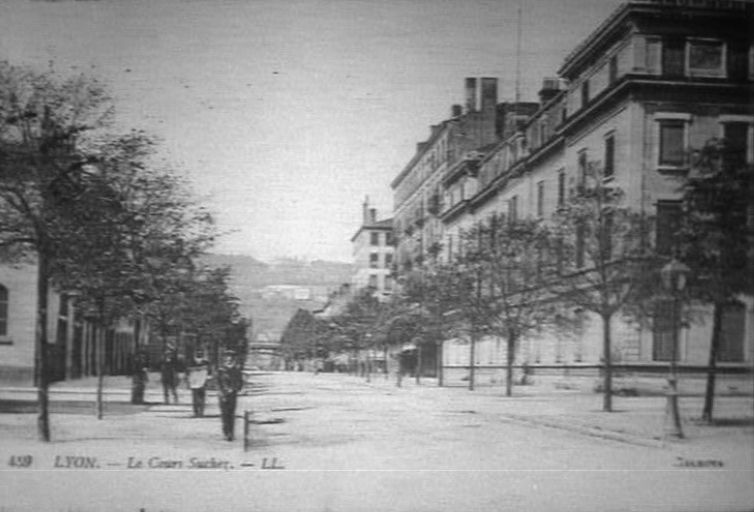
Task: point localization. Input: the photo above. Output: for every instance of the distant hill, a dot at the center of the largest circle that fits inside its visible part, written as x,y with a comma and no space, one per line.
271,293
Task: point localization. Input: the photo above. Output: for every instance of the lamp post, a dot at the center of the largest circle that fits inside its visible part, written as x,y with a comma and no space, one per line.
368,359
674,280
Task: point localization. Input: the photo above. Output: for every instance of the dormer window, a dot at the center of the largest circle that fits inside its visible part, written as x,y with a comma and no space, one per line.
705,58
584,93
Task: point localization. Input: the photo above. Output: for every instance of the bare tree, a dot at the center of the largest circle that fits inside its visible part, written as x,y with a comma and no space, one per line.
603,259
514,255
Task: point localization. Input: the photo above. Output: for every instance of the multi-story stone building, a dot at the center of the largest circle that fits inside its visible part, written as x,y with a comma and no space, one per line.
439,173
373,251
646,89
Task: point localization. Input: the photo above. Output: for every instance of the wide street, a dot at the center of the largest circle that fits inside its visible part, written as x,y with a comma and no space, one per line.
332,442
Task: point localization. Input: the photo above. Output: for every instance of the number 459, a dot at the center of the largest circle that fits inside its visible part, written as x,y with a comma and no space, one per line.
20,461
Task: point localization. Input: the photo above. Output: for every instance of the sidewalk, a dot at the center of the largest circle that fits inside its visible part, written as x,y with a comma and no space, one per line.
640,420
115,389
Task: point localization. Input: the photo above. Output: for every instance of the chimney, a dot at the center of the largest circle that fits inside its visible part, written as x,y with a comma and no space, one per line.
470,94
456,110
489,95
365,211
550,88
488,108
373,215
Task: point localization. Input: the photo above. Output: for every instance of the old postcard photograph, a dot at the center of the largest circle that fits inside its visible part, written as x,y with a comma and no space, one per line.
376,255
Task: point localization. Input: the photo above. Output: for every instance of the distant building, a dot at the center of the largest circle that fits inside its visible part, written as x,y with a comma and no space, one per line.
373,250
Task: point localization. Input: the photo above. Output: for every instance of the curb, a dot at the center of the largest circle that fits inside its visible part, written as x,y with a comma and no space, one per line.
597,432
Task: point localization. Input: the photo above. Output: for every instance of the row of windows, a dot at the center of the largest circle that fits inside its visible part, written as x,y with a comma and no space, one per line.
375,238
679,57
374,282
672,152
674,142
374,260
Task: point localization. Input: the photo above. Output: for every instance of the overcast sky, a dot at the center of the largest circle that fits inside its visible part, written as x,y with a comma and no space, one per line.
286,114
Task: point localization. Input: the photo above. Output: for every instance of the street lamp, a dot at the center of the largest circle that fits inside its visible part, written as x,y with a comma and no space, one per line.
673,277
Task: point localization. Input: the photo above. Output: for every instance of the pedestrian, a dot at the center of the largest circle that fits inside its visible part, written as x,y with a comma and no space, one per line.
139,378
169,373
198,373
229,383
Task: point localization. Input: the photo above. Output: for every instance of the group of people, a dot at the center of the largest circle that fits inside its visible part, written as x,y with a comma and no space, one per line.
229,382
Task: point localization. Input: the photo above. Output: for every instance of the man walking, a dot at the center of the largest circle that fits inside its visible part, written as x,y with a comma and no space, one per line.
229,383
197,380
139,378
169,373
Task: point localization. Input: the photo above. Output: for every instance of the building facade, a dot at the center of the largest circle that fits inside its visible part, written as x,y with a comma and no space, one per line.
637,98
373,253
73,348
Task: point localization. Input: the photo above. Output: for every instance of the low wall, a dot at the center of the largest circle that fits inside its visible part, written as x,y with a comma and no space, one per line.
628,380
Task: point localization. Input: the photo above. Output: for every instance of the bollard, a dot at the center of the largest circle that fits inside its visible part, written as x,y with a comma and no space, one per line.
246,423
673,425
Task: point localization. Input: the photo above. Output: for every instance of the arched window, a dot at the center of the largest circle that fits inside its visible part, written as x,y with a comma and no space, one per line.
3,311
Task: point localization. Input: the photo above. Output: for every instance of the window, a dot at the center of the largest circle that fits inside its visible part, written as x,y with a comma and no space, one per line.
673,62
513,209
582,167
613,70
608,221
731,348
738,56
374,238
652,57
668,224
373,281
388,283
672,143
3,311
663,330
541,199
543,134
389,239
62,329
584,93
561,188
736,137
374,260
388,260
706,58
580,245
609,168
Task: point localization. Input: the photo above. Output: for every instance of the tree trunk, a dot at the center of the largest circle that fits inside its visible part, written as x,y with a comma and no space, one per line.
510,357
385,354
607,401
134,358
41,378
440,382
471,361
709,392
100,369
101,340
418,363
